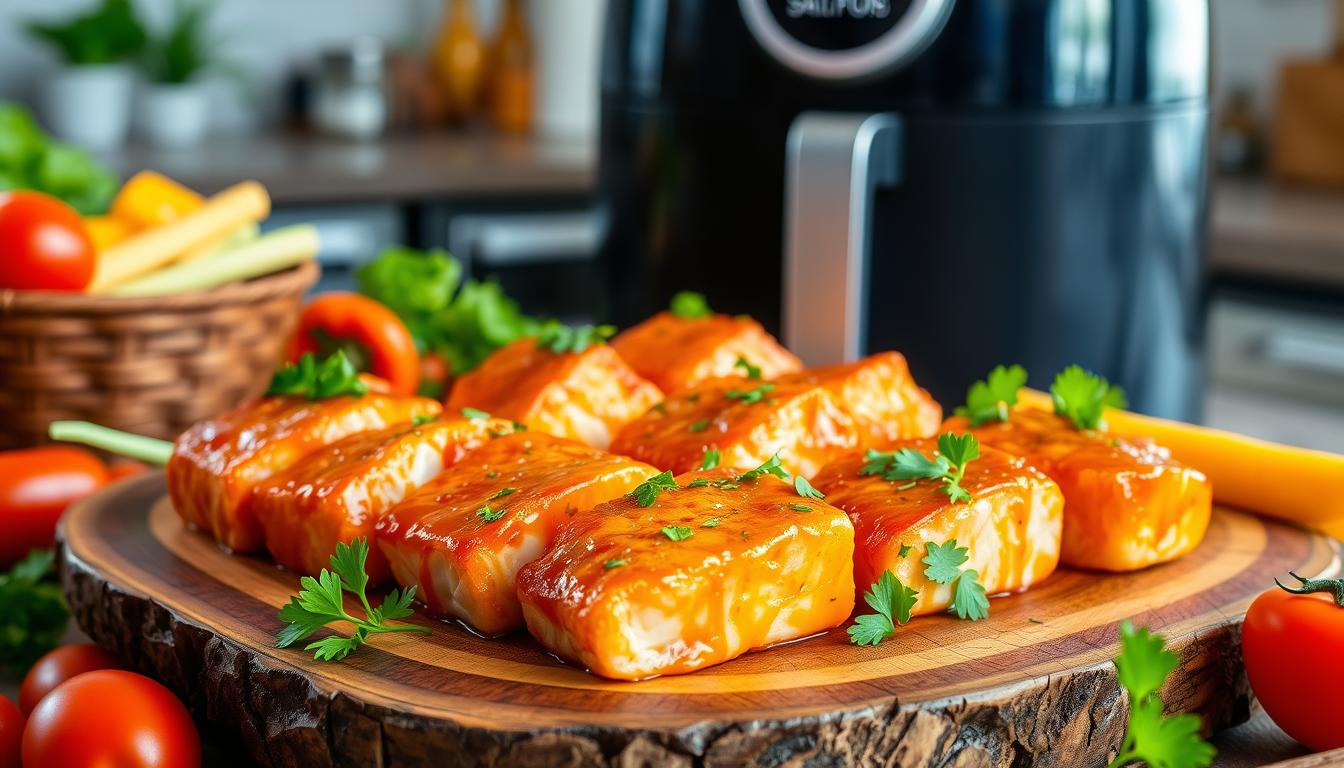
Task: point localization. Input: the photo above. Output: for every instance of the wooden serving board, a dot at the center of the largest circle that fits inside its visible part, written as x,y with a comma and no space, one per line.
1033,684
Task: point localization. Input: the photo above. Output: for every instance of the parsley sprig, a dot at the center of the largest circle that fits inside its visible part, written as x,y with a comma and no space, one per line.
944,566
1158,740
33,614
332,377
989,400
320,602
560,338
689,305
750,396
772,466
1082,397
711,458
752,371
892,601
948,465
647,492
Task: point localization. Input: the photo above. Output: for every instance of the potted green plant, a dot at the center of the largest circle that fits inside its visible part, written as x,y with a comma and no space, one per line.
88,100
174,104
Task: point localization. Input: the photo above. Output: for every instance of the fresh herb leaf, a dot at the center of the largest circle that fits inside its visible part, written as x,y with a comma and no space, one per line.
33,614
770,467
712,522
948,464
989,400
689,305
647,492
1151,737
489,515
502,492
750,396
699,426
752,371
678,532
560,338
614,562
944,561
905,550
475,414
699,482
1083,397
420,421
944,566
805,488
892,601
968,597
711,459
332,377
800,508
320,602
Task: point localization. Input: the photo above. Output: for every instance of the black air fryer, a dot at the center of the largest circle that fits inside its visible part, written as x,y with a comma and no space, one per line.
967,181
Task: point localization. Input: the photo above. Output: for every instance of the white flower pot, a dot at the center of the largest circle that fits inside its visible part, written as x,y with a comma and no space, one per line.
173,115
90,105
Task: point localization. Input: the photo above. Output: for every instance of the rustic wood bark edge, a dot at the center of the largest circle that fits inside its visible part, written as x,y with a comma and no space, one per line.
282,719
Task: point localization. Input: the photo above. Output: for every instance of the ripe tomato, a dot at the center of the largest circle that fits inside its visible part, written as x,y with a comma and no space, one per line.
114,718
372,336
44,245
60,665
36,485
1293,645
11,733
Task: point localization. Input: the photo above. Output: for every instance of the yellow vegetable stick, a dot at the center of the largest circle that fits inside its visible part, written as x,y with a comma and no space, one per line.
1296,484
149,250
106,231
269,253
244,234
150,199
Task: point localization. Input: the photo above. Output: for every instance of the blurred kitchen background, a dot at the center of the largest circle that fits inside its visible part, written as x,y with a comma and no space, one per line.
474,125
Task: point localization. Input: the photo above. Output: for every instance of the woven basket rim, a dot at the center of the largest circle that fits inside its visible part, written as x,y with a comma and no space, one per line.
298,278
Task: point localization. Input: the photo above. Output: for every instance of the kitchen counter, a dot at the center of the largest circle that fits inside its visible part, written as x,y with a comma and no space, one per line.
1261,229
301,170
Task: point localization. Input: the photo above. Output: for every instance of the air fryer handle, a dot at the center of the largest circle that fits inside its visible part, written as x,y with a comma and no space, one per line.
834,163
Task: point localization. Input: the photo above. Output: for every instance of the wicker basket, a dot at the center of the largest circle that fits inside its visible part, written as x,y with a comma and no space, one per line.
149,365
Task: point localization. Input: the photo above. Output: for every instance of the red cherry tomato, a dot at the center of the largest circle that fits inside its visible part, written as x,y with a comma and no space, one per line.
114,718
372,336
60,665
1294,651
11,732
44,245
36,485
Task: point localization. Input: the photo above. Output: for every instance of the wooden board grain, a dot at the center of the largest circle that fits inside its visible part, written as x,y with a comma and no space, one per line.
1033,684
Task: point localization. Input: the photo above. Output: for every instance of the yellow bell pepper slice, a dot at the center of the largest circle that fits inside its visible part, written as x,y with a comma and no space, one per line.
151,199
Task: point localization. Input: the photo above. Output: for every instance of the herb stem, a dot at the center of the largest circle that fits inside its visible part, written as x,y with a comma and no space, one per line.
133,446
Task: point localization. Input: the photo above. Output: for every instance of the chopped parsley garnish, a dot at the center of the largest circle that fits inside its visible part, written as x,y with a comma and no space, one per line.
905,550
800,508
475,414
712,522
770,467
492,474
1082,397
750,396
489,515
805,488
647,492
699,426
699,482
560,338
989,400
892,600
519,426
948,465
420,421
1151,737
711,459
615,562
689,305
752,371
332,377
502,492
944,565
678,532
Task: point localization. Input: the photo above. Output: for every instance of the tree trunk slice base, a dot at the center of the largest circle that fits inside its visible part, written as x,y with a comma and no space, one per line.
1007,691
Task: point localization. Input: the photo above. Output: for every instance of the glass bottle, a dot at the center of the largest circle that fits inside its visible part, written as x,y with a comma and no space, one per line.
458,60
511,72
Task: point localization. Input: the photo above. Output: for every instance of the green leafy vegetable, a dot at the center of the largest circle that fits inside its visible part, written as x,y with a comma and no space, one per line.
33,614
1082,397
892,601
1155,739
944,561
989,400
333,377
647,492
968,597
770,467
948,465
489,514
184,50
475,414
711,459
689,305
108,34
805,488
560,338
944,566
752,371
678,532
750,396
28,160
320,602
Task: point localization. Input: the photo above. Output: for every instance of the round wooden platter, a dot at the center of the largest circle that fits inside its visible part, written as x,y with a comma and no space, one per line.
1033,684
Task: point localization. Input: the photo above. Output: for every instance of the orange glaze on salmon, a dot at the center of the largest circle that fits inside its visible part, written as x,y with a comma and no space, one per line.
218,462
1127,503
1011,527
675,352
461,538
338,493
804,423
880,394
586,396
761,566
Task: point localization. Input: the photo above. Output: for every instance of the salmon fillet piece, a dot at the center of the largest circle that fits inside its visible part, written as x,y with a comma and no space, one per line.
461,538
748,421
881,396
586,396
339,492
217,463
1011,527
746,565
675,352
1127,503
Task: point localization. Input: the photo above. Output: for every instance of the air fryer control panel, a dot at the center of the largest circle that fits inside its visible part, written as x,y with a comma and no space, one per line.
844,39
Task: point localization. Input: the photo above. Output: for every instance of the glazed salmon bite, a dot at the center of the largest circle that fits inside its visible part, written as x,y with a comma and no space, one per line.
702,575
1011,527
218,462
881,396
461,538
704,348
341,491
